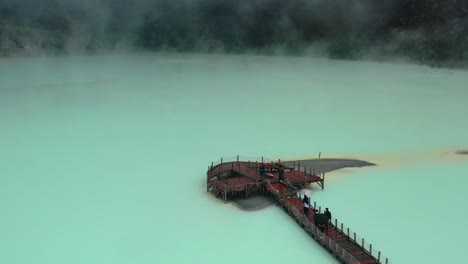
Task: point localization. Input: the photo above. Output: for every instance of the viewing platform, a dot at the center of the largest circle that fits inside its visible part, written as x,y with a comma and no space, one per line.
234,178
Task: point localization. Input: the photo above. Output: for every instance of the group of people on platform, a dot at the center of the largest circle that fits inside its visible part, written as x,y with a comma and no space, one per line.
262,170
321,220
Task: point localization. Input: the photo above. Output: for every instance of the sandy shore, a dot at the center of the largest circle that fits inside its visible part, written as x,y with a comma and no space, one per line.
320,165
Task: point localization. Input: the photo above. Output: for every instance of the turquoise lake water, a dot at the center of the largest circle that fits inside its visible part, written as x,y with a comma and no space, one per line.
104,157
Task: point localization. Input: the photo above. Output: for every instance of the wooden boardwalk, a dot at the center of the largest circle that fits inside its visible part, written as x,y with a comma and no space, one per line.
243,178
250,170
354,250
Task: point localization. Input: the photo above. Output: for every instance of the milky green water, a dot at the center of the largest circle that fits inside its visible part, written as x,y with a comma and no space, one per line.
103,158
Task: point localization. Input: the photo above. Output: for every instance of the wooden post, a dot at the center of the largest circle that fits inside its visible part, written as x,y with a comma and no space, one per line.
354,236
370,249
347,231
221,160
262,159
211,164
225,193
279,161
305,176
341,227
323,181
315,205
363,244
320,209
386,260
378,258
237,158
336,223
320,154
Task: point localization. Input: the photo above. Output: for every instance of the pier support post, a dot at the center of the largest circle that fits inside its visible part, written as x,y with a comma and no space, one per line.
323,181
363,244
208,179
386,261
225,194
370,249
305,175
378,258
237,158
354,236
221,160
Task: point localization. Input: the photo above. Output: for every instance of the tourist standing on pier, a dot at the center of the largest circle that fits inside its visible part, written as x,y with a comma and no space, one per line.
281,174
262,170
306,203
328,214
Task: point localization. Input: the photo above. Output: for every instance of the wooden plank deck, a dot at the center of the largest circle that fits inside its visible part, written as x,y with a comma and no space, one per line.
251,170
337,236
240,177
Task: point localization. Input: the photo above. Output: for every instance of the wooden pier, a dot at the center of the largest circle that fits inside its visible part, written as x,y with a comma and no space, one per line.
231,178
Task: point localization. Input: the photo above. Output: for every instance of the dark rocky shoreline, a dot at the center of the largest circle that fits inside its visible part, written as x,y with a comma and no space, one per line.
434,33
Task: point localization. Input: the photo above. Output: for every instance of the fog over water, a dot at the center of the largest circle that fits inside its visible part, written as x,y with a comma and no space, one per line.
429,32
103,157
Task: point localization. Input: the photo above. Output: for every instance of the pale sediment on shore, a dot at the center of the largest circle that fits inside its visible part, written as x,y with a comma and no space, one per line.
327,165
259,202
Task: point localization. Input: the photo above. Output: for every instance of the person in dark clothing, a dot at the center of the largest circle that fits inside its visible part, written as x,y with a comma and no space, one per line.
328,214
262,170
320,221
306,204
281,174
